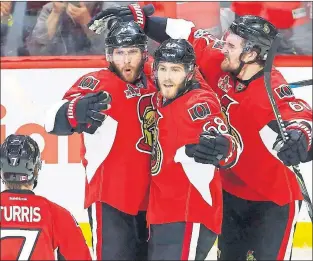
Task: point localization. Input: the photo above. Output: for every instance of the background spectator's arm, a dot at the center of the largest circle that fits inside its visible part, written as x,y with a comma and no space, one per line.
48,22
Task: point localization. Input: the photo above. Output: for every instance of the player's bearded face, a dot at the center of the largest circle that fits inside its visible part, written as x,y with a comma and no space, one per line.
232,49
127,62
171,78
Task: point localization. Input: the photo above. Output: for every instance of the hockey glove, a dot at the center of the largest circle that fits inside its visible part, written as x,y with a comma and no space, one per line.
88,109
133,12
295,149
219,150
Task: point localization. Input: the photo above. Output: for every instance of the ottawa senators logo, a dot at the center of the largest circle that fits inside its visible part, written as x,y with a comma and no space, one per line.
157,153
284,91
199,111
88,82
223,83
226,102
147,117
131,91
149,143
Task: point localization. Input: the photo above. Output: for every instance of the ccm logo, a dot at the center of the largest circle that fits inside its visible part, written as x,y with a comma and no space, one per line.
139,18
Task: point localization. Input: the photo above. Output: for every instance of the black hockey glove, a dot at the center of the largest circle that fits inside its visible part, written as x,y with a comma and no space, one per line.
219,150
296,148
133,12
88,109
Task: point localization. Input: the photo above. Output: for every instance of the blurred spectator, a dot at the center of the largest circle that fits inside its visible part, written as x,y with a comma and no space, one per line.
6,22
61,30
5,8
293,19
205,15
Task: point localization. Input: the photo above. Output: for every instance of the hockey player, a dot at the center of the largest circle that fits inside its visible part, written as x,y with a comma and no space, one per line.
117,170
185,203
261,194
32,227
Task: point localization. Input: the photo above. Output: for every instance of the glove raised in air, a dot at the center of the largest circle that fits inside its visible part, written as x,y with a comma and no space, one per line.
133,12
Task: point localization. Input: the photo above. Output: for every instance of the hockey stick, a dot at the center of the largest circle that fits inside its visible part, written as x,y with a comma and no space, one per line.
282,129
301,83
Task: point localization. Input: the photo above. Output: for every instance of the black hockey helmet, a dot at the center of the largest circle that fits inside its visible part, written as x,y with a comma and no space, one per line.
126,34
176,51
20,156
258,33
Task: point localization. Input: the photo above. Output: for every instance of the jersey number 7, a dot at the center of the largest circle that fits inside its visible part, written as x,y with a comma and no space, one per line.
29,236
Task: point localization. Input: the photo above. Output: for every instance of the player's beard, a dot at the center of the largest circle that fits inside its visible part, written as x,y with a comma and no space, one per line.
228,66
134,74
171,92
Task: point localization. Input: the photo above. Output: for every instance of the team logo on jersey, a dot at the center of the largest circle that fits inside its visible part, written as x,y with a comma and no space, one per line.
149,143
226,102
284,91
223,83
199,111
147,117
218,44
201,33
157,153
132,91
88,82
204,34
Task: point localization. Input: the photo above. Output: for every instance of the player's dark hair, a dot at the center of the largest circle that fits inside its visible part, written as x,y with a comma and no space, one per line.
256,49
18,186
258,35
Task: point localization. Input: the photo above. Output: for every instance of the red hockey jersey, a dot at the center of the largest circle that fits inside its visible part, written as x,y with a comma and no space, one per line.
181,189
259,174
34,228
117,168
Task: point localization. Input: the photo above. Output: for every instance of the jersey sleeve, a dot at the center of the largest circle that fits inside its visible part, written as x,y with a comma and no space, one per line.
290,107
208,55
88,83
56,121
69,238
294,111
201,112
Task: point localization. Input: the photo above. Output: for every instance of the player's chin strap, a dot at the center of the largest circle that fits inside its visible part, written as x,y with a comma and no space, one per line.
35,183
247,48
282,129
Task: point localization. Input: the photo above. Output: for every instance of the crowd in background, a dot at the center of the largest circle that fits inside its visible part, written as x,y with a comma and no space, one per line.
32,28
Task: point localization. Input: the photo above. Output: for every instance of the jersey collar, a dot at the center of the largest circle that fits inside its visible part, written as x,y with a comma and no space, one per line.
18,191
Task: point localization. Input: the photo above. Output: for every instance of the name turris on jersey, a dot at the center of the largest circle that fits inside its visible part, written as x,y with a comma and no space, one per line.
20,214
